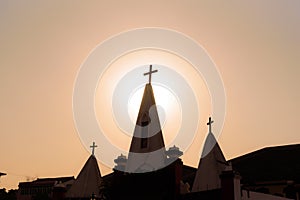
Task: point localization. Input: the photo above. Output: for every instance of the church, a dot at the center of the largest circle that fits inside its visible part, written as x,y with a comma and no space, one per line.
150,171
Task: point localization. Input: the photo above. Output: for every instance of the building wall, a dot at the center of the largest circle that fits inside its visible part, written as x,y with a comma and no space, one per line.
248,195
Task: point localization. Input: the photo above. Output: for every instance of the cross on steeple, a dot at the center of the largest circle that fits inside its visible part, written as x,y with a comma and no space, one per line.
209,124
93,148
150,73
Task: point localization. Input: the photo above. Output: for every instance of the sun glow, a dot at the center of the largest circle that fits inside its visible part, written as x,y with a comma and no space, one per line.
125,76
167,103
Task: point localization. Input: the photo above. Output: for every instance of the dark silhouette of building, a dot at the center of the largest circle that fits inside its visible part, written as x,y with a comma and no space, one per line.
10,195
272,170
44,188
152,172
87,182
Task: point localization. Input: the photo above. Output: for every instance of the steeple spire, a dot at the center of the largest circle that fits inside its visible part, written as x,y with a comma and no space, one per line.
87,182
147,149
211,164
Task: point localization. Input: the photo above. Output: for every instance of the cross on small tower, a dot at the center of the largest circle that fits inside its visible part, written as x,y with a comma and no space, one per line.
150,73
209,124
93,148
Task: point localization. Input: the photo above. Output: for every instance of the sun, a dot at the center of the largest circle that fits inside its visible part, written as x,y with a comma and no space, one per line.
167,103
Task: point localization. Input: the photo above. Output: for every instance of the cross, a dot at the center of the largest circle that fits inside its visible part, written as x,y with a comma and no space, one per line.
150,73
93,148
209,124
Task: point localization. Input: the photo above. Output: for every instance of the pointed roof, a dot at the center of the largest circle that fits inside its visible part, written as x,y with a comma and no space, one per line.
147,149
88,181
211,165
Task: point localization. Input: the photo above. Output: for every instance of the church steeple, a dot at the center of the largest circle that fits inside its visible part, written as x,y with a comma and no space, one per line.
147,150
211,164
88,181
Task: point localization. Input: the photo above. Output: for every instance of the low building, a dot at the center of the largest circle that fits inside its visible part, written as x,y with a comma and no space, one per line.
271,170
44,188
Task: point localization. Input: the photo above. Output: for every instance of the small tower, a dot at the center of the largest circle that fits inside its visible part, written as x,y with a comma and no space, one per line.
88,181
231,184
120,163
173,153
211,164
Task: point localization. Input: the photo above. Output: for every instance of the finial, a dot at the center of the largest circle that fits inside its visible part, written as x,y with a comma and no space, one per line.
93,148
209,124
150,73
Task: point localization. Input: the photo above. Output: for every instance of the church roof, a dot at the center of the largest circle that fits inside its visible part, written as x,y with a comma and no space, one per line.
147,150
88,181
269,164
211,165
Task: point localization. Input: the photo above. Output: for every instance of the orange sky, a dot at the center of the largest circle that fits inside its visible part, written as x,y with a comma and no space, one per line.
255,45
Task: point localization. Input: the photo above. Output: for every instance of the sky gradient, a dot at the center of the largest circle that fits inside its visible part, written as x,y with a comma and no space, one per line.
255,45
